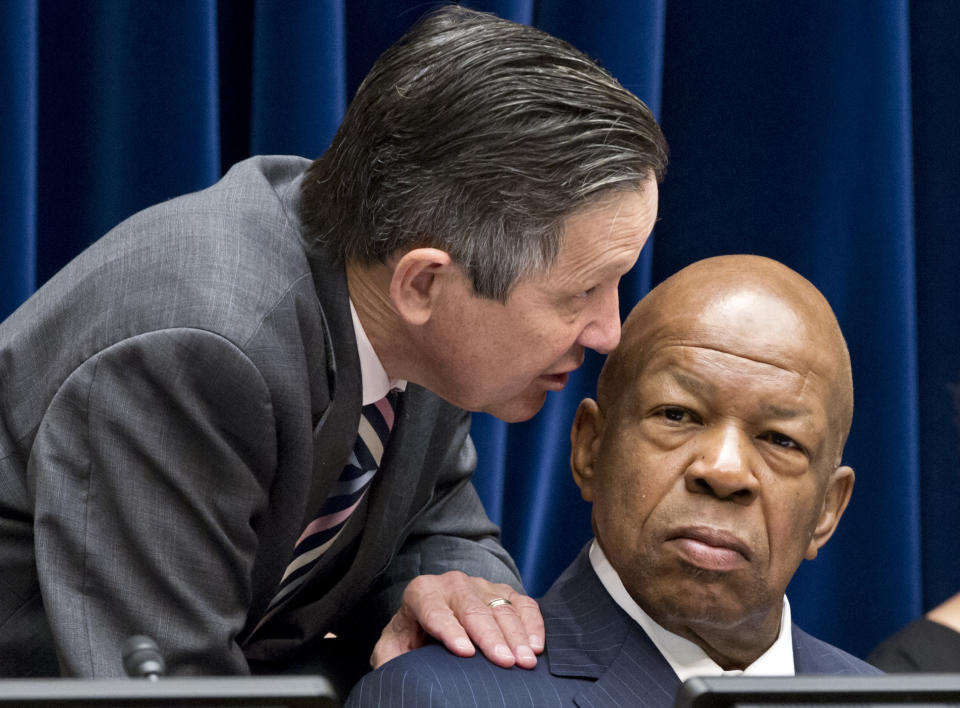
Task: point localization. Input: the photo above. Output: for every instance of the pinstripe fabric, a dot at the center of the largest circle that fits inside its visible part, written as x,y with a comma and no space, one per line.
813,656
596,657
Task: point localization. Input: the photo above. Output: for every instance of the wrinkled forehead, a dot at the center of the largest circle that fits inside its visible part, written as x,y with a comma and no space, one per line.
752,323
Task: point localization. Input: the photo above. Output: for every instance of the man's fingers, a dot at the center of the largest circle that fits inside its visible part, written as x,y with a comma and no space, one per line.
454,607
529,612
463,611
387,648
400,635
497,625
426,602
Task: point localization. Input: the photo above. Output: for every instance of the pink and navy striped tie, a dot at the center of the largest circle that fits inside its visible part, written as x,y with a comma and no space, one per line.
376,421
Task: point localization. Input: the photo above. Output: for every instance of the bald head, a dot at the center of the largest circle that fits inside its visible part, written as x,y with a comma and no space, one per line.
712,455
745,305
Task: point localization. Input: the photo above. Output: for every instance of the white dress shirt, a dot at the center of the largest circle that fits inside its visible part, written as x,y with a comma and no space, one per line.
686,658
373,377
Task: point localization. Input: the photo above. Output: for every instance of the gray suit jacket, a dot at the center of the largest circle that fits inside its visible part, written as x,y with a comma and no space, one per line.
174,406
596,655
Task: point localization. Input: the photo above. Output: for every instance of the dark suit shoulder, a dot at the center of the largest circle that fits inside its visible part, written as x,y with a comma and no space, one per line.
432,676
815,656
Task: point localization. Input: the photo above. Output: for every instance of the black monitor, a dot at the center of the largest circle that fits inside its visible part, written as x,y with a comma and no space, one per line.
206,692
914,690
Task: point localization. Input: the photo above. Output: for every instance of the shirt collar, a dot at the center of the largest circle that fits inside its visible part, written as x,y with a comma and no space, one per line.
686,658
373,377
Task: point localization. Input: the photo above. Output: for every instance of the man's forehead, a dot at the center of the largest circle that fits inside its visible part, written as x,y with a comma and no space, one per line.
737,331
710,372
756,312
748,323
736,349
747,306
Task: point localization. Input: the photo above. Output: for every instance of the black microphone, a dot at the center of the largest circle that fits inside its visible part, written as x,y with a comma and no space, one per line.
142,658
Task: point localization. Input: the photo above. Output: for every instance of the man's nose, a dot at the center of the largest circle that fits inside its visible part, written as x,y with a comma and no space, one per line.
722,467
602,333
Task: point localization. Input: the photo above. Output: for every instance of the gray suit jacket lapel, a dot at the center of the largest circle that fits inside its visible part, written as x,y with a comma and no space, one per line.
336,430
335,423
390,502
335,396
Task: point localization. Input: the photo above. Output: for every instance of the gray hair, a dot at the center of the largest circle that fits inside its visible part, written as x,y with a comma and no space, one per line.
477,136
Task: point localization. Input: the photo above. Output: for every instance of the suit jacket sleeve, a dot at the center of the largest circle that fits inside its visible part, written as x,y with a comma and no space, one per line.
151,468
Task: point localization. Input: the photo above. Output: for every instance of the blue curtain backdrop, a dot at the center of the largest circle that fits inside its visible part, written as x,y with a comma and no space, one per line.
823,134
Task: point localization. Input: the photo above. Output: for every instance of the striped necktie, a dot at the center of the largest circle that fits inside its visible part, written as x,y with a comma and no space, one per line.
376,421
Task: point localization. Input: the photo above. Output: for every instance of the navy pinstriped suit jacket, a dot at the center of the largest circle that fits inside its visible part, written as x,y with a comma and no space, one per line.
596,655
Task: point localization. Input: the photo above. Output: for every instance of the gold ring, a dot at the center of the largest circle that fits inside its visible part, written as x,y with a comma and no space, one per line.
497,601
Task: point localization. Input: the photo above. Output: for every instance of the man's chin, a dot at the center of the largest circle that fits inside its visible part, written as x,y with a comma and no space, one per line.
702,605
518,409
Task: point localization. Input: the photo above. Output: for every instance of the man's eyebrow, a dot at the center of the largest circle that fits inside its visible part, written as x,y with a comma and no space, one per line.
775,411
694,384
705,388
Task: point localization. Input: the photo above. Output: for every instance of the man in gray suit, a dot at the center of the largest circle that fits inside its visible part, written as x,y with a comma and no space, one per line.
712,457
179,407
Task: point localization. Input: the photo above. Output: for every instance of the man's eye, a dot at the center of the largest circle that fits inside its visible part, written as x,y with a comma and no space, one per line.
781,440
677,415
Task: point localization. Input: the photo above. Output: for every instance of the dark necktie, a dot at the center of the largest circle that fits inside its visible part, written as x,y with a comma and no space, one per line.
376,421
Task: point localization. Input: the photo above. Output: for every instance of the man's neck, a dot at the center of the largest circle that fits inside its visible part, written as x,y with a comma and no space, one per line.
369,288
691,653
732,648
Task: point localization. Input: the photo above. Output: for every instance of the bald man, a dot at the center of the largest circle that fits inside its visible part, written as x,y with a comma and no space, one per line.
712,458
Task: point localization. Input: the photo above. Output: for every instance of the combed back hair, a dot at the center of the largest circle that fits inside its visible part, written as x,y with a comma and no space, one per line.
477,136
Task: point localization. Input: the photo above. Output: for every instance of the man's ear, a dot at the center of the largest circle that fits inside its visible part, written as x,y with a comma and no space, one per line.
584,443
839,489
416,285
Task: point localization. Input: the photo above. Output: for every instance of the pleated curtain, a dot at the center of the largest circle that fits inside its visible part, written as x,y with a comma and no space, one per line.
822,133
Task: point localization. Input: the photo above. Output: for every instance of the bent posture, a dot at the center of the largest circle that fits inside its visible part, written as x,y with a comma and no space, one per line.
238,423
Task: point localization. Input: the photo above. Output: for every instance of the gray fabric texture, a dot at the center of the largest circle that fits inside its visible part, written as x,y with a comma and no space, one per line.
174,405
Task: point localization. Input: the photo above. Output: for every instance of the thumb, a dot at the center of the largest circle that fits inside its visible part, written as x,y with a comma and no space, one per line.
402,634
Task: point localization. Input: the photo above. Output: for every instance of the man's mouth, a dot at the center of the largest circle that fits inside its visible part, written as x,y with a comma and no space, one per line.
555,382
710,548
